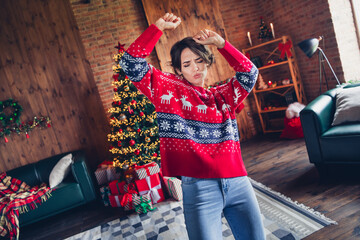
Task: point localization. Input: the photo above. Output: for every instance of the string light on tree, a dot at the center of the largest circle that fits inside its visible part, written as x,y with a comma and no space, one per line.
134,137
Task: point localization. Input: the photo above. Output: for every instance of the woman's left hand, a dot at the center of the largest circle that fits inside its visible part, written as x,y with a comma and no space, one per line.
208,37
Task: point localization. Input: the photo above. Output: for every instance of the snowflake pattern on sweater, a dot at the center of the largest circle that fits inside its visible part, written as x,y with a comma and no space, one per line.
197,127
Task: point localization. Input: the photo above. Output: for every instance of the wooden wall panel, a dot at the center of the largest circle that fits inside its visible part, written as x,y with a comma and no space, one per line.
195,15
43,67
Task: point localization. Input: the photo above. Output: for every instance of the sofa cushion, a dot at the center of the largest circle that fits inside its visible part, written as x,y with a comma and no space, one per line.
343,130
59,202
347,106
340,144
60,170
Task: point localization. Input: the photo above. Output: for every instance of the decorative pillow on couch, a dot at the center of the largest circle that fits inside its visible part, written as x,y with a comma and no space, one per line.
60,170
347,106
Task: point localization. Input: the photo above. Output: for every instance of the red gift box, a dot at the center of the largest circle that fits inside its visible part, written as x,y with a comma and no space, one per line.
151,185
146,170
115,200
121,187
123,200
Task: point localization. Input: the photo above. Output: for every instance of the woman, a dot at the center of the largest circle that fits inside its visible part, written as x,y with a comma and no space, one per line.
198,131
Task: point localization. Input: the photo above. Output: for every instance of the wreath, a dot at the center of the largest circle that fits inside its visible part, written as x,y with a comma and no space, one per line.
10,112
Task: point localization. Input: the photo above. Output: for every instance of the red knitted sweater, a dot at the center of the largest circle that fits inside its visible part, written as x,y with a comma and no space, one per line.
197,127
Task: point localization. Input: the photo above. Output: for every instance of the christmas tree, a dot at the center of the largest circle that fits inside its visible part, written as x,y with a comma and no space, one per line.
264,31
134,134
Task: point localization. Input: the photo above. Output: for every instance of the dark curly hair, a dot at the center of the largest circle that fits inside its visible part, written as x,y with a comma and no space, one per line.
197,48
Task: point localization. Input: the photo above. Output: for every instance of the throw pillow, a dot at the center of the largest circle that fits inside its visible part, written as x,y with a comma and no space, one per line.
60,170
347,106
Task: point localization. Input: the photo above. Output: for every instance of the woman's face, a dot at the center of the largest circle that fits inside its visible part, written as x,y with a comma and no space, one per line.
193,68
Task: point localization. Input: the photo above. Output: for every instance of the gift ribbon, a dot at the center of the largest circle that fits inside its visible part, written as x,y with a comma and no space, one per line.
117,201
285,48
127,198
154,193
144,206
146,167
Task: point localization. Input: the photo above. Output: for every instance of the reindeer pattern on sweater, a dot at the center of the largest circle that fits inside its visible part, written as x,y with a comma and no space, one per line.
197,127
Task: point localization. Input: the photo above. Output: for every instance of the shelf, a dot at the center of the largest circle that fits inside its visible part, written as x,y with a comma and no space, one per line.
272,120
273,88
274,110
273,65
265,43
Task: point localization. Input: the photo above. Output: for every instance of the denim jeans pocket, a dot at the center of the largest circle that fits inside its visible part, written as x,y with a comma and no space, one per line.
189,180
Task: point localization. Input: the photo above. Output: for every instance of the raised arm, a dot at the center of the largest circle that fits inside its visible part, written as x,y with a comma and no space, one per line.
144,76
236,90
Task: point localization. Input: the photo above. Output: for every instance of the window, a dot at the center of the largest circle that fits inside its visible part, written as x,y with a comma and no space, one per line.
355,5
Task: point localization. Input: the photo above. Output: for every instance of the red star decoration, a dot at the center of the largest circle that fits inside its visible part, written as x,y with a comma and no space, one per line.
120,47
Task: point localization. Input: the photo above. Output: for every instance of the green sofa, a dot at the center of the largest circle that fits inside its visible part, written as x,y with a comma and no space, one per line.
75,190
326,144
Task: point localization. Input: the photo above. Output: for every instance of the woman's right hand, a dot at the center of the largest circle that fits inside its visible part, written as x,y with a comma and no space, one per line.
168,21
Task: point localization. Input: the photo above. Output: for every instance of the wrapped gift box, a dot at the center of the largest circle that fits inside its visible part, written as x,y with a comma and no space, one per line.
120,187
106,172
127,201
142,204
173,187
115,200
105,192
151,185
149,169
123,200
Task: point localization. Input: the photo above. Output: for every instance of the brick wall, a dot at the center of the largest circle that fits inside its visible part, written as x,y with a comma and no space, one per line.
104,22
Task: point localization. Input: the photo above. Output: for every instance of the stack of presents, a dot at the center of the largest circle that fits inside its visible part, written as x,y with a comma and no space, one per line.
143,187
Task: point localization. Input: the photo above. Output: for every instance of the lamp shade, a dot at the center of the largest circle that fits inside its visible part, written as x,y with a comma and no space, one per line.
309,46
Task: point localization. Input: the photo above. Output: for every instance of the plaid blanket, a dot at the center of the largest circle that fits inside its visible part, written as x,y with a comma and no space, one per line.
17,197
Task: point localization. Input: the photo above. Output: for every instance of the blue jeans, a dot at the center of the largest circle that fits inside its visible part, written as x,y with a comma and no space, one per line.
205,199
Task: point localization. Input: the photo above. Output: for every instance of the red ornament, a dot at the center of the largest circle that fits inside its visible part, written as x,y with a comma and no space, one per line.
137,151
119,143
48,125
269,83
141,114
155,155
119,103
139,130
115,89
6,140
27,135
120,130
133,102
111,147
132,142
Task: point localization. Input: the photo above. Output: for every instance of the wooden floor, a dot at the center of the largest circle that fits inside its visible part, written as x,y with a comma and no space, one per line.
282,165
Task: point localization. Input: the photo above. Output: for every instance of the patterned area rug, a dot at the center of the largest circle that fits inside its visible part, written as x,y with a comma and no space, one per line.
283,219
